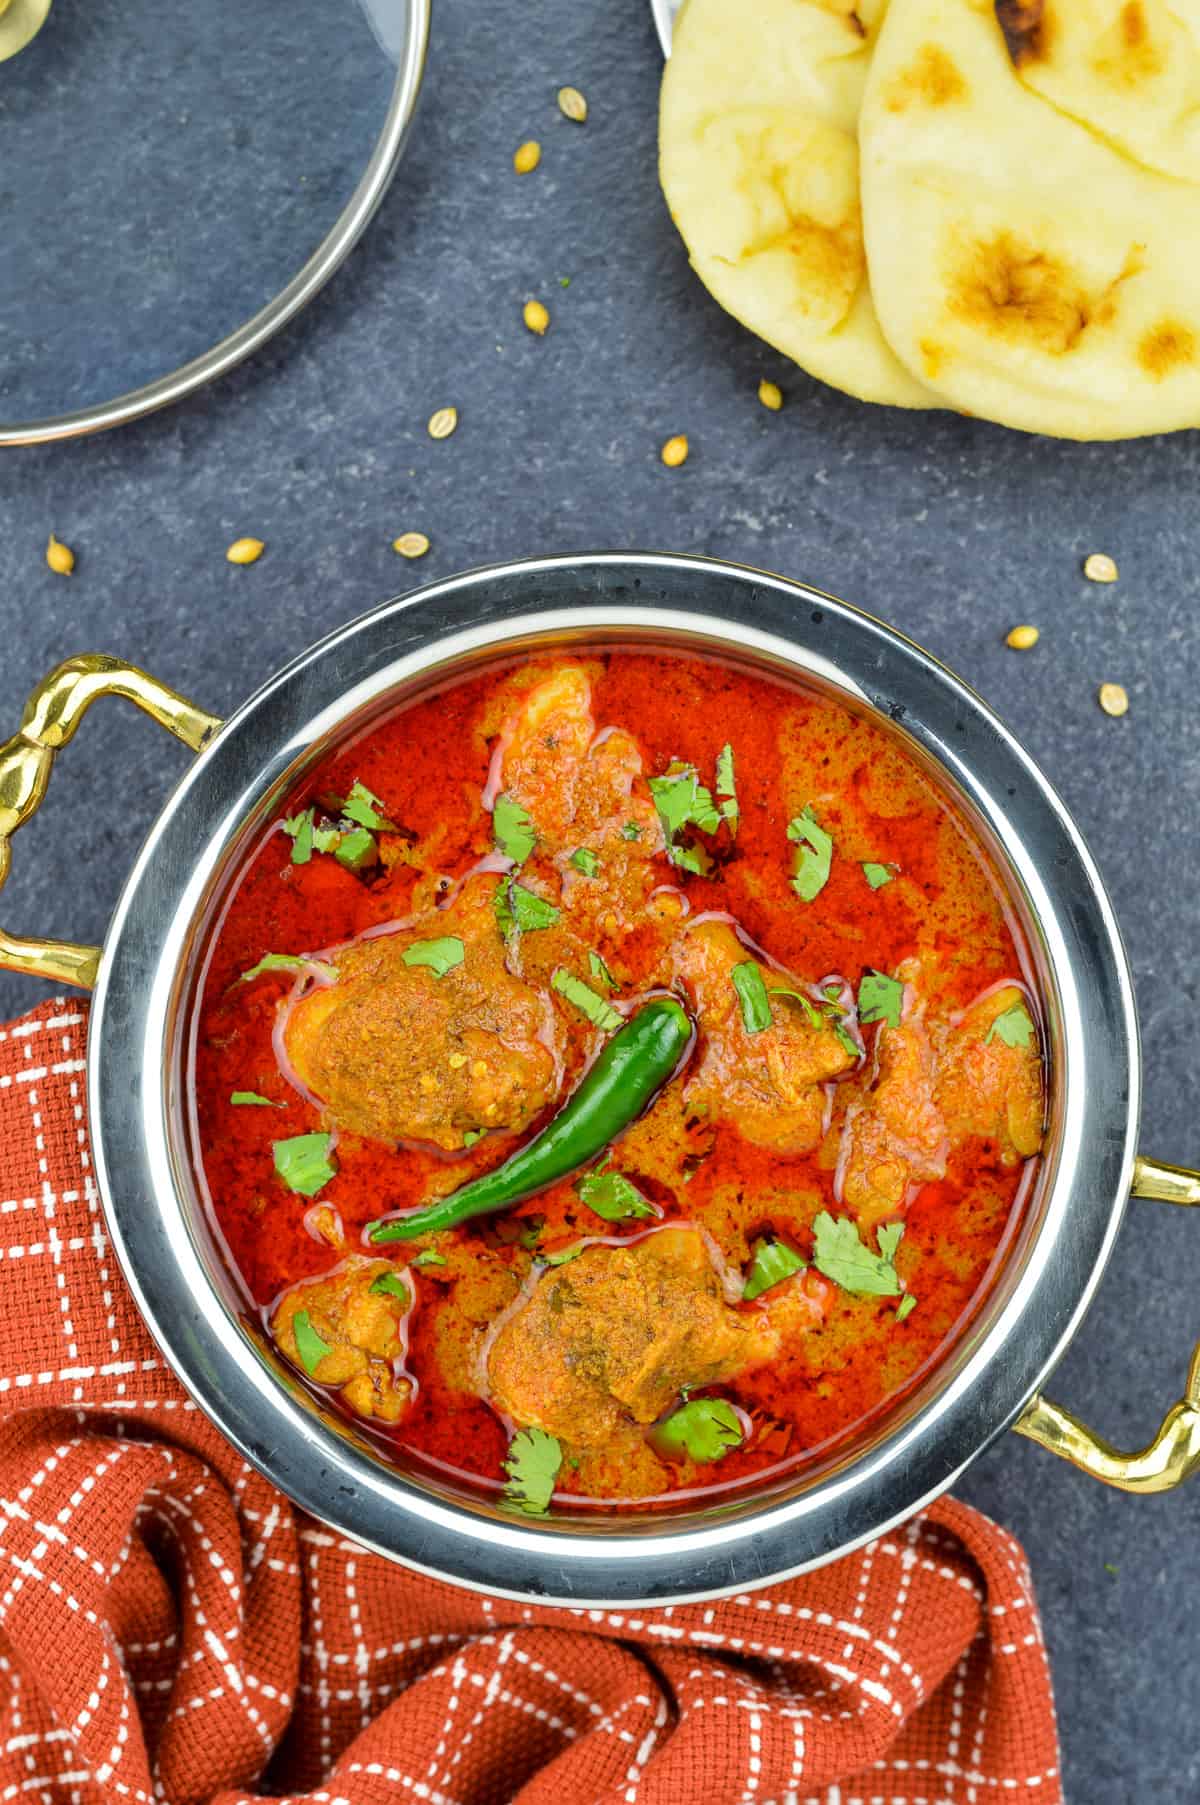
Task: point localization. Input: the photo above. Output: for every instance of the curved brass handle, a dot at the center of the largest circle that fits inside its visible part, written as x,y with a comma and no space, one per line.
52,714
1173,1454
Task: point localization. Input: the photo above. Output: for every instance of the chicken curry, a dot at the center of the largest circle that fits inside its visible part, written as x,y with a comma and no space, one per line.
616,1077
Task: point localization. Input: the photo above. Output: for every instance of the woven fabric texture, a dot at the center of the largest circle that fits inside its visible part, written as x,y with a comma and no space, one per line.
171,1629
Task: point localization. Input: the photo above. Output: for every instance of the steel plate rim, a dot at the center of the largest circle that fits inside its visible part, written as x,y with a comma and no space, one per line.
304,286
515,1560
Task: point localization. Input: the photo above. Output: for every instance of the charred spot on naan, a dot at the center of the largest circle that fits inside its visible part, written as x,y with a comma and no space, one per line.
1028,30
1014,290
1166,348
933,80
1127,55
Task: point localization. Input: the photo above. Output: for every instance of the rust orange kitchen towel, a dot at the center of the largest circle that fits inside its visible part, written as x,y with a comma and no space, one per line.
171,1630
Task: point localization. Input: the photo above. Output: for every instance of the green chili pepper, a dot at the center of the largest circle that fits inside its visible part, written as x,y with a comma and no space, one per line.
626,1077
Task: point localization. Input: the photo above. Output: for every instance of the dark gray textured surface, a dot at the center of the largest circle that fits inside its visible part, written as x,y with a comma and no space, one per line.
953,530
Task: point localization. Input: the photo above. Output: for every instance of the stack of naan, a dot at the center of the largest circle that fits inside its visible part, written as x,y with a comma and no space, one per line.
987,205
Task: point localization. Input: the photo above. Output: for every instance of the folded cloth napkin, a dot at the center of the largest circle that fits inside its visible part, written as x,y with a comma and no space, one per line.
171,1629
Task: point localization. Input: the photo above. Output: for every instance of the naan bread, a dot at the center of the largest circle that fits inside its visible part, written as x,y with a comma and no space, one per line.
1029,256
759,164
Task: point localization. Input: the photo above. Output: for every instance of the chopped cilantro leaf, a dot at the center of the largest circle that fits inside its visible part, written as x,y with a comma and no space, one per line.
303,1163
471,1135
690,858
1111,1567
613,1196
806,1003
253,1097
841,1255
585,861
814,855
532,1464
300,828
773,1262
880,999
600,1013
440,956
1014,1027
726,787
908,1304
752,995
428,1256
363,807
289,962
682,801
512,830
522,909
601,973
356,850
878,875
889,1238
392,1285
846,1040
309,1345
704,1428
631,831
566,1253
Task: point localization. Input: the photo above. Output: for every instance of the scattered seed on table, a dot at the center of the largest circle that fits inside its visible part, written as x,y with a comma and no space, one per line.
675,451
443,423
527,156
1022,639
771,395
1113,699
1098,567
59,557
411,545
245,551
572,105
536,317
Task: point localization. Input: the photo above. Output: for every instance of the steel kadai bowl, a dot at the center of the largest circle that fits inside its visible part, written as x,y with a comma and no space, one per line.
990,1377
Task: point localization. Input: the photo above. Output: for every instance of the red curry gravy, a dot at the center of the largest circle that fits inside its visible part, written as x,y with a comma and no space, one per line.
938,919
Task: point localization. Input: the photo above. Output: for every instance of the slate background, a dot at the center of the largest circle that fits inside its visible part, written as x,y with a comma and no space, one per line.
954,530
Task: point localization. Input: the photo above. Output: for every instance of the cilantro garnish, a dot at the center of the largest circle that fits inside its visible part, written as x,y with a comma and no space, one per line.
363,807
253,1097
600,972
682,801
613,1196
309,1345
303,1162
356,850
878,875
839,1252
908,1304
726,788
806,1003
532,1464
631,831
300,828
880,999
1014,1027
814,854
288,962
471,1135
585,861
600,1013
428,1256
522,909
752,995
773,1262
391,1285
512,830
560,1259
440,956
704,1428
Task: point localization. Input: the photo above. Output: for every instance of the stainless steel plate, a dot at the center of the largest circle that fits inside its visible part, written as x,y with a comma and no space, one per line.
176,183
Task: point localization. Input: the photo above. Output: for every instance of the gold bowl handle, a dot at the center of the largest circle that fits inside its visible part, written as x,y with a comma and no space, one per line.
1173,1454
52,714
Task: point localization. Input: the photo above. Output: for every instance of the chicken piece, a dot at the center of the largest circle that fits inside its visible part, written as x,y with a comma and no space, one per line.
895,1137
582,791
766,1084
987,1087
616,1333
362,1330
395,1053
